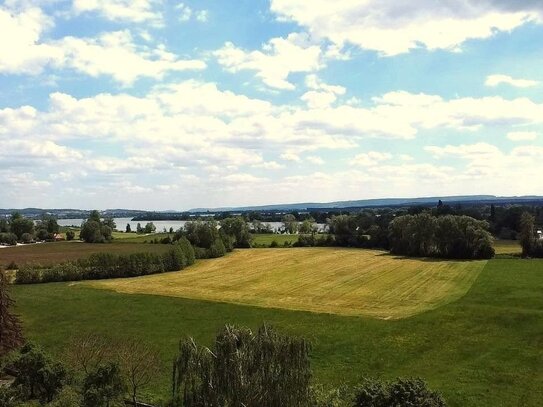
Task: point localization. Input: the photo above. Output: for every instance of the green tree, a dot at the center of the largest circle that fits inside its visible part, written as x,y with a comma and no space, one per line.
128,228
70,235
238,228
11,336
93,230
103,386
290,224
20,225
243,369
527,237
149,228
308,226
38,376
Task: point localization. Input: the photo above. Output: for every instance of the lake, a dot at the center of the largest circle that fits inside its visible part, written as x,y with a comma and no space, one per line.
161,225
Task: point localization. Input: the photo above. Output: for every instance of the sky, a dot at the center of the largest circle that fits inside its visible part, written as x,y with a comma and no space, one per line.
168,105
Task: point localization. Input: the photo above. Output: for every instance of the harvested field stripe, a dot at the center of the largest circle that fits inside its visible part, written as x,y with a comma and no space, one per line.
328,280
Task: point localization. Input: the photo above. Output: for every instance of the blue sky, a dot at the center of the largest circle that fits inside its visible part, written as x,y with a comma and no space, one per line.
158,104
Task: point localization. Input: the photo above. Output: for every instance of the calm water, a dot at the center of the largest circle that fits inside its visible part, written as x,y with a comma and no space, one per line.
160,224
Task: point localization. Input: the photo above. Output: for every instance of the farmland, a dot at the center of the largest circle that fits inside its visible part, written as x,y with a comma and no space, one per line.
52,253
339,281
482,349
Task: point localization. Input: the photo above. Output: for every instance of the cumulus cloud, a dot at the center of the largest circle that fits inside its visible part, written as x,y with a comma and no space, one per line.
115,54
390,27
136,11
522,135
278,59
371,158
192,133
20,47
496,80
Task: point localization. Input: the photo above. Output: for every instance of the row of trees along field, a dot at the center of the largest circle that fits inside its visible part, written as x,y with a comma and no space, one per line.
532,244
242,368
109,265
17,228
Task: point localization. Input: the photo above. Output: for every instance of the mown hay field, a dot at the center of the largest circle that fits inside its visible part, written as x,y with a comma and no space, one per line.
327,280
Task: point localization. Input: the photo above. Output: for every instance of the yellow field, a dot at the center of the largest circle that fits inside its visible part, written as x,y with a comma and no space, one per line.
507,247
329,280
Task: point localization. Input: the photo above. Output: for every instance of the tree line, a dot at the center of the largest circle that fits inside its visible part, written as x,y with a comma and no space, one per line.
530,241
109,265
17,228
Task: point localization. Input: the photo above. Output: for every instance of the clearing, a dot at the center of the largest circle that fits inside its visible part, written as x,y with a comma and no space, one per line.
328,280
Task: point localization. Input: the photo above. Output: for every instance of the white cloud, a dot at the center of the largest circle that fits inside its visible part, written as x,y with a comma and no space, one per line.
115,54
187,13
392,28
496,80
20,48
371,158
192,133
321,94
279,58
25,51
290,156
269,165
136,11
522,135
313,159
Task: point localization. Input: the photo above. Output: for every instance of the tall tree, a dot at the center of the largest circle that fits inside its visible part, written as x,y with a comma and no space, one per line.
527,222
11,336
243,369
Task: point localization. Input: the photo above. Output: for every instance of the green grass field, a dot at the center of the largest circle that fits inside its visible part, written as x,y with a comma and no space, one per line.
267,239
330,280
57,252
481,350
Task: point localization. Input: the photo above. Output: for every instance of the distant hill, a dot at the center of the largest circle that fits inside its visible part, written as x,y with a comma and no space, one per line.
385,202
36,213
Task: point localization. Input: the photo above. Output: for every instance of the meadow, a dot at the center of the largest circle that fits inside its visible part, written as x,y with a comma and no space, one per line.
267,239
483,349
328,280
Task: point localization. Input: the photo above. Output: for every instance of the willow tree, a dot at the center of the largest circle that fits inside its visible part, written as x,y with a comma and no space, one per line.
243,368
11,337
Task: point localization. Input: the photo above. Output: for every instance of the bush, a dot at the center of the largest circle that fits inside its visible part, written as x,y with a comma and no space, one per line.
12,266
8,238
174,259
38,376
274,243
188,250
27,238
28,275
102,386
67,397
70,235
403,392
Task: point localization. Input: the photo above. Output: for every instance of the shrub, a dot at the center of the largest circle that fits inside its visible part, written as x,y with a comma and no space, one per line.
70,235
27,238
38,376
174,259
102,386
12,266
188,250
274,243
8,238
28,275
402,392
67,397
